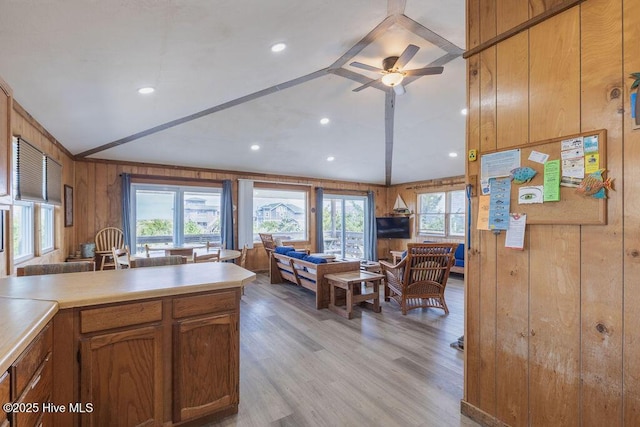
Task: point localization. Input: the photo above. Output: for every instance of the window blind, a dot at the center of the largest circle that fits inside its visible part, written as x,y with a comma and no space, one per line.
54,181
29,172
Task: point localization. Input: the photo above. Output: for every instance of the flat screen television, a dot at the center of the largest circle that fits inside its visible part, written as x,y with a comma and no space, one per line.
393,227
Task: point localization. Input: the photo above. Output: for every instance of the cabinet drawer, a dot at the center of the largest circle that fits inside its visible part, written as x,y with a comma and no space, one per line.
204,304
4,396
117,316
27,364
37,392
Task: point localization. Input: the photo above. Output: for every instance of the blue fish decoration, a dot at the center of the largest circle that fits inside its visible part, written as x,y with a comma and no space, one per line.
522,174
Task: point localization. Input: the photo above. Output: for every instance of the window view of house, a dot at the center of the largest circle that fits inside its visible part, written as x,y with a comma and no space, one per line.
282,213
441,213
343,226
174,215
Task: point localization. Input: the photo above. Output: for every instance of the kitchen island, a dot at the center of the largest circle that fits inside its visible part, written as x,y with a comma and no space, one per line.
152,346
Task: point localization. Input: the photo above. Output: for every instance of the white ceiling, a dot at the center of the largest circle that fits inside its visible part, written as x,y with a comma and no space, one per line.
76,65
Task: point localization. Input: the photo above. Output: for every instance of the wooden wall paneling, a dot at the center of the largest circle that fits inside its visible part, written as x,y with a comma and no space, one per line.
510,13
101,216
601,276
472,263
631,254
512,108
512,320
84,213
114,193
539,6
554,283
6,110
487,100
488,25
473,23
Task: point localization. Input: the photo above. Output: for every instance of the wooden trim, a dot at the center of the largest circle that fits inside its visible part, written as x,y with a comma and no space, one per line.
344,192
231,174
282,186
33,122
174,180
448,182
555,10
480,416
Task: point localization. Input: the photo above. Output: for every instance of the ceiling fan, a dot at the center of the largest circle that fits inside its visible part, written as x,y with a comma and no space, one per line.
392,70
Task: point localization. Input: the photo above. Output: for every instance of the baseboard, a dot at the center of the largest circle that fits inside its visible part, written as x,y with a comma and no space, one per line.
479,416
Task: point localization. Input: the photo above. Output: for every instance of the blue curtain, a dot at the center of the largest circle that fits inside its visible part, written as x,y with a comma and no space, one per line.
370,239
319,231
126,209
226,222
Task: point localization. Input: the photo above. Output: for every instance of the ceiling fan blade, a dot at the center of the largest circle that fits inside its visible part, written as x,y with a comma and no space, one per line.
366,67
399,89
366,85
426,71
406,56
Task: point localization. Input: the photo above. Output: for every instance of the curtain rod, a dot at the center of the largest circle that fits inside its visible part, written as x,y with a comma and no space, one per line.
173,178
275,182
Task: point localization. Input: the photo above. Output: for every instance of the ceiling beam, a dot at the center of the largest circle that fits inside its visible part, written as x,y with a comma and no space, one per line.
366,41
433,38
396,7
206,112
389,112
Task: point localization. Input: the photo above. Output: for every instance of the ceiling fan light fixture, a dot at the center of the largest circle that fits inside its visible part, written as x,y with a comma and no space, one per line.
146,90
278,47
392,78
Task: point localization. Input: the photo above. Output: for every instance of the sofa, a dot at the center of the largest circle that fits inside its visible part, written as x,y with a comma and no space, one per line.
307,271
458,266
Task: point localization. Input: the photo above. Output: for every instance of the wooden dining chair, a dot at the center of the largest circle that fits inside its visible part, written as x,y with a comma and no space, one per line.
209,256
268,242
106,240
158,261
121,257
55,268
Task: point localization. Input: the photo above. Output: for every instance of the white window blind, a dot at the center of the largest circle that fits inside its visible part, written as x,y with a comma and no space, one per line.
54,181
29,172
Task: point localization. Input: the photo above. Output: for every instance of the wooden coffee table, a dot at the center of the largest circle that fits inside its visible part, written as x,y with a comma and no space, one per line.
350,281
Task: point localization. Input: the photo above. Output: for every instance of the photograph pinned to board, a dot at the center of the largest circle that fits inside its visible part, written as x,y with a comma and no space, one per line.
530,194
497,165
515,232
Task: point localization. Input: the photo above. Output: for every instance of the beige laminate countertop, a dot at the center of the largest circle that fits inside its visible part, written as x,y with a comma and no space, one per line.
21,320
72,290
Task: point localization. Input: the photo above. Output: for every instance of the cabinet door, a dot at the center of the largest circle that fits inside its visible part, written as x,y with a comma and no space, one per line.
121,377
206,366
5,136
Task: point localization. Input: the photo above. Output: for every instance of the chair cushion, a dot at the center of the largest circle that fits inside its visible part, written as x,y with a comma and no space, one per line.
283,250
459,263
459,255
315,259
296,255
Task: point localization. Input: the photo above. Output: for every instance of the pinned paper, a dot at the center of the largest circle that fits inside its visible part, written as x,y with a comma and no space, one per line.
499,202
571,144
591,144
483,213
573,168
552,181
592,163
515,232
530,194
538,157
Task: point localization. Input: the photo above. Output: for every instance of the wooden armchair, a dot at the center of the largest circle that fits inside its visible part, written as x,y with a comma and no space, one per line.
268,242
56,268
419,279
106,240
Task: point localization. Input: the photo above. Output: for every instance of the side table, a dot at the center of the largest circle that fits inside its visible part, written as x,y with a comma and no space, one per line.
348,281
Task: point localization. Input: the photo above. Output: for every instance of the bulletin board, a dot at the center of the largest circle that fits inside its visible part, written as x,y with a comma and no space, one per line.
573,207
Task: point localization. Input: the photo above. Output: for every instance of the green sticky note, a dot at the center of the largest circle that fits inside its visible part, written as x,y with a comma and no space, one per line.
552,181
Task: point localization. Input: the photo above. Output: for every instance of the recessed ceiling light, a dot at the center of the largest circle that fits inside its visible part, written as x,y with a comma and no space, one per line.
278,47
146,90
324,121
330,159
464,111
255,147
453,154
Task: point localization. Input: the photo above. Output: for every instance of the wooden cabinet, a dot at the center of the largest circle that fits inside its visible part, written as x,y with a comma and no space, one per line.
161,361
121,377
205,366
5,396
6,107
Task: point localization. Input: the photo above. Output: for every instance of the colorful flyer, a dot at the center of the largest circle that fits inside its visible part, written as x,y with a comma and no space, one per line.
591,144
592,163
499,203
552,181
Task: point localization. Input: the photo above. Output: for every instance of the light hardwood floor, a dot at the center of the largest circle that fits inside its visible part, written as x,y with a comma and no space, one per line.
304,367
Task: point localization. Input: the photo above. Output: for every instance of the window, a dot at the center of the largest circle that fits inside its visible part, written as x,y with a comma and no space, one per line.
343,225
282,213
22,231
174,214
47,228
441,213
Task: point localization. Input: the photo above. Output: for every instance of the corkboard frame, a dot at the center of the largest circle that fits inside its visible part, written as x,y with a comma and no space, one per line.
573,208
